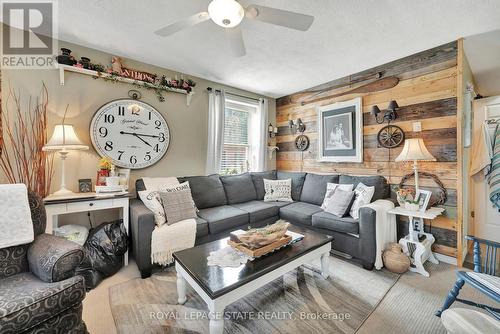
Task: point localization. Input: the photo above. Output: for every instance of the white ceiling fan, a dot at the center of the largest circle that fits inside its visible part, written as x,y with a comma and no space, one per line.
229,14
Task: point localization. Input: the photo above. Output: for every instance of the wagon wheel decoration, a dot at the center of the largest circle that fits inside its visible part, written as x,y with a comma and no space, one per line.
302,142
390,136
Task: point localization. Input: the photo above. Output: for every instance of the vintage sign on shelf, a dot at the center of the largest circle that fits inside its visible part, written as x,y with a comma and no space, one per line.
118,68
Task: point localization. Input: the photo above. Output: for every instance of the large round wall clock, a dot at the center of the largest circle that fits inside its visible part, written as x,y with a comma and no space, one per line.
131,133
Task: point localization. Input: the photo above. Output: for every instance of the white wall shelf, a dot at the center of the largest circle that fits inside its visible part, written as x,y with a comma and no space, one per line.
66,68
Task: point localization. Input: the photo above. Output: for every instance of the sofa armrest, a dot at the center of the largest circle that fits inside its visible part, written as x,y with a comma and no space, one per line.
53,259
142,224
367,236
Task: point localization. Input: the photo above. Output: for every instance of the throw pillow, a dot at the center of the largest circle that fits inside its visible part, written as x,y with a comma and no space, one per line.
278,190
330,188
339,202
178,203
150,196
152,201
364,195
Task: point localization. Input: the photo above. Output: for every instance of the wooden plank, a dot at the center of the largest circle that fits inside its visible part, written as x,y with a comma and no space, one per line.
444,122
439,222
445,250
442,152
444,170
460,107
414,112
431,137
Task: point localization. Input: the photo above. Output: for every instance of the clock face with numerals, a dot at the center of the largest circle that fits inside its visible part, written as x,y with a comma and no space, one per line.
131,133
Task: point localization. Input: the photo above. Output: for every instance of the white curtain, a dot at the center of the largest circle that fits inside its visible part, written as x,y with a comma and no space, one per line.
258,137
216,108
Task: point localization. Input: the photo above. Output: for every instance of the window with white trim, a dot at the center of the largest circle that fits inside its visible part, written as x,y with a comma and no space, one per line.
236,150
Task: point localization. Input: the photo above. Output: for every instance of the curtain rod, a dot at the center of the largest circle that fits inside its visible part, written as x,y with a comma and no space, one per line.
209,89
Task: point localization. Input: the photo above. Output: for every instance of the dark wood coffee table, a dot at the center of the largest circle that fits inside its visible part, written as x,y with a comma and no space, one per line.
219,287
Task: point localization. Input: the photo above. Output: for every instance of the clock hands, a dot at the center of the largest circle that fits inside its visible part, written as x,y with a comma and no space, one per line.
145,142
138,136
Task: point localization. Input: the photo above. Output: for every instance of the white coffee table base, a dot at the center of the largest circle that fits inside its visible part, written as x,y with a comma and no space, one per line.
216,306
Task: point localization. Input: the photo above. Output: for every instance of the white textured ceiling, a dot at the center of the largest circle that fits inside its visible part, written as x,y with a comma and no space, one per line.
483,53
347,36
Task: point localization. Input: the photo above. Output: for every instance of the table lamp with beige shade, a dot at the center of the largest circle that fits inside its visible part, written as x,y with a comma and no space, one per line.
63,140
415,150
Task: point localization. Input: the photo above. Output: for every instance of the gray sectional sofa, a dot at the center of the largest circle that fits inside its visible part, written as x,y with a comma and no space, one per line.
227,203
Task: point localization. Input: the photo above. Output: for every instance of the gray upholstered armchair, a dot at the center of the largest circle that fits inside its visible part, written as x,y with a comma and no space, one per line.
38,290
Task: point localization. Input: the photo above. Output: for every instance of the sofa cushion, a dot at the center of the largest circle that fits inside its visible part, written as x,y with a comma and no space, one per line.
258,210
331,222
297,182
299,212
382,189
314,188
258,181
201,227
223,218
25,301
207,191
239,188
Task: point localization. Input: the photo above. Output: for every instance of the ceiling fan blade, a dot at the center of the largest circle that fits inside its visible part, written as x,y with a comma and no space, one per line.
183,24
236,40
279,17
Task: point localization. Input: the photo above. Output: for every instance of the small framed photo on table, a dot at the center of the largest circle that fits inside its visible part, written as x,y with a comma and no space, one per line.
424,197
84,185
124,175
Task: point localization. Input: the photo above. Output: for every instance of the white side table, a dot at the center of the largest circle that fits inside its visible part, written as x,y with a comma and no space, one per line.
418,244
84,202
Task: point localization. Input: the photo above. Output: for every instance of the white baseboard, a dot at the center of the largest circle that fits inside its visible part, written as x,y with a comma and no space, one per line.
445,258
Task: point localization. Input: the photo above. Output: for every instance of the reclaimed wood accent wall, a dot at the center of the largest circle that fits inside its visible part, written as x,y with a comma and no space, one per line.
426,92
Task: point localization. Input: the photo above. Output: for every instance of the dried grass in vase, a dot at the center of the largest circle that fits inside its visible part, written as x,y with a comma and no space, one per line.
23,133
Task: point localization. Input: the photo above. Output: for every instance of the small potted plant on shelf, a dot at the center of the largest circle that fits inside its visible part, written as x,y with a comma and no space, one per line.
104,169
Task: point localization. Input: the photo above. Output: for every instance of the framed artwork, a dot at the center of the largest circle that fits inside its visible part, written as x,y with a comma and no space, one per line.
124,175
424,197
84,185
340,132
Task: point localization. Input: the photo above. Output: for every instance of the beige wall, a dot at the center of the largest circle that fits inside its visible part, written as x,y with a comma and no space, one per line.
188,125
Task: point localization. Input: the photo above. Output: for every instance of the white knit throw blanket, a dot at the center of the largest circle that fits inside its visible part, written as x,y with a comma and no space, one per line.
168,239
16,227
385,228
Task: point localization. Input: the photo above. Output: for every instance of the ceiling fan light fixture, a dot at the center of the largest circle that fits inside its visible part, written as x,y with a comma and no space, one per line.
226,13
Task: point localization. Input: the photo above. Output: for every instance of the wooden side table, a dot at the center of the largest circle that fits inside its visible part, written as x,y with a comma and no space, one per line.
60,205
418,244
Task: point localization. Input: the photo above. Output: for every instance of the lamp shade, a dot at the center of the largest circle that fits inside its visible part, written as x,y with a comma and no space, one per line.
64,138
226,13
375,110
413,150
393,105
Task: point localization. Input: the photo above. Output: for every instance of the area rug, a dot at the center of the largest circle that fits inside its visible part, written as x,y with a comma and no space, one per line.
299,302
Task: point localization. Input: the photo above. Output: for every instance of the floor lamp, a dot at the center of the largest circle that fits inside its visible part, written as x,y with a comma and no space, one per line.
415,150
63,140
